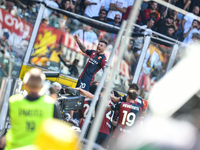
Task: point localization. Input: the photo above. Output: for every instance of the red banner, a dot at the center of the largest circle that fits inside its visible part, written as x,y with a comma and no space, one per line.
13,24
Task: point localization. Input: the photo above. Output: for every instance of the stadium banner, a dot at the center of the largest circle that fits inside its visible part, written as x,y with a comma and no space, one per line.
15,34
14,24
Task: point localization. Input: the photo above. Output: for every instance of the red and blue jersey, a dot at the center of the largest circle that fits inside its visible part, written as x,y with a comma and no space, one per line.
95,63
128,114
107,121
85,110
139,101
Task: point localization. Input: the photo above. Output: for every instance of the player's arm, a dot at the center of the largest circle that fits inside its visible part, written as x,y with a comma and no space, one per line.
114,99
86,93
104,63
81,46
114,107
62,60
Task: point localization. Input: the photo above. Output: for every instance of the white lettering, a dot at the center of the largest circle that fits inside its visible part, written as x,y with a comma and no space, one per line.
130,106
1,16
18,25
7,18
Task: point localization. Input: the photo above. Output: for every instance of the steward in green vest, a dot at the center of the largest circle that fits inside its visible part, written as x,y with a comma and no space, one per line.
26,114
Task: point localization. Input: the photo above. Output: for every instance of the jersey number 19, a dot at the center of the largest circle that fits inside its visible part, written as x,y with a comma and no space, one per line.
129,118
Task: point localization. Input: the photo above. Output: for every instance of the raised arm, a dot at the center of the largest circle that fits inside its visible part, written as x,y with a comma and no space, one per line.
81,46
89,3
114,99
86,93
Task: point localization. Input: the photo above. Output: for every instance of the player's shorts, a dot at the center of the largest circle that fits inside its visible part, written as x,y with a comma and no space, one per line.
102,138
83,85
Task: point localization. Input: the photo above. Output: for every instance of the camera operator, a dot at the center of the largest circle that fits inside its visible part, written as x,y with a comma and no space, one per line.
27,113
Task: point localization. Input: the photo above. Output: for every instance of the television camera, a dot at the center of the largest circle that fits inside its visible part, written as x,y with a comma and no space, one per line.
69,99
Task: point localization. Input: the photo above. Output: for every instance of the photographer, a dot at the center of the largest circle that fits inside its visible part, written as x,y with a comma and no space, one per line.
27,113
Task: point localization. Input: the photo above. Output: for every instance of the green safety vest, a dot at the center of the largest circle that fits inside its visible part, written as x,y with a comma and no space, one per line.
26,116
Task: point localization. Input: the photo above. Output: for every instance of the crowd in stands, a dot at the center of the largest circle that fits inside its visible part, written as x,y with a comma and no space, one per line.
152,17
163,20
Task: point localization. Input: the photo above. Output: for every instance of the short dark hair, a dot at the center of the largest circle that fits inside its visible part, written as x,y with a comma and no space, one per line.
103,10
171,27
104,41
170,17
133,86
196,20
132,95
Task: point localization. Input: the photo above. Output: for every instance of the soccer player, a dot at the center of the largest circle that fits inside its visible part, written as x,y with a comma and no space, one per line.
96,61
104,131
133,88
128,114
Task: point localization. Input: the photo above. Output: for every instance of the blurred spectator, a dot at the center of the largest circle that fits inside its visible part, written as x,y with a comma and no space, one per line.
153,8
193,4
9,6
193,29
86,34
116,21
68,5
177,21
4,42
129,55
31,14
129,7
93,7
183,4
116,7
102,16
51,3
171,32
195,38
142,20
163,24
188,19
146,29
73,68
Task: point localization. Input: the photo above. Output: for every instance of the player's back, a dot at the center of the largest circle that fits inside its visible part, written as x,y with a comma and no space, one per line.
85,110
128,114
107,121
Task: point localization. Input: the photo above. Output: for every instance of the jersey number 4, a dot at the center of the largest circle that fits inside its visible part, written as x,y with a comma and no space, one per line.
129,118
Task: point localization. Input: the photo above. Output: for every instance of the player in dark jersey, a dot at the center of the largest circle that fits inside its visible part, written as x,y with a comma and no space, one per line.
134,88
128,114
96,61
104,131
